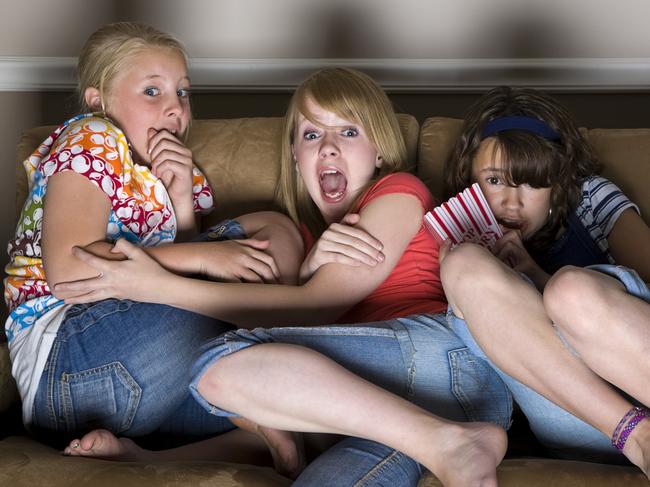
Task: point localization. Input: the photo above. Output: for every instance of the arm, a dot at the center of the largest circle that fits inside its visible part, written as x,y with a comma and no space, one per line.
76,215
629,243
393,219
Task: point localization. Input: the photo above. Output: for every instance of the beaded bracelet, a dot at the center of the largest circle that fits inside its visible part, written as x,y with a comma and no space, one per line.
626,425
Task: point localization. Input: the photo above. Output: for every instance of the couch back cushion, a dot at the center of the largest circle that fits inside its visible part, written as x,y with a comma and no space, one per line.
624,154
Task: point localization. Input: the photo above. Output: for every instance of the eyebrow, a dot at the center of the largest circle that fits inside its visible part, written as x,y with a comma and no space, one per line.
152,76
492,169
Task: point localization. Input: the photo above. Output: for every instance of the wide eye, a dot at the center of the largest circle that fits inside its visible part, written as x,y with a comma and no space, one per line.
310,135
350,132
183,92
493,180
151,91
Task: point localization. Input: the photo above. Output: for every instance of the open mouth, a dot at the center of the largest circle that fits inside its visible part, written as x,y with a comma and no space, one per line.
511,224
333,184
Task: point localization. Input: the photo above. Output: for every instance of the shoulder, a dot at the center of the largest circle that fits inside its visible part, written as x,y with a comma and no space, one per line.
602,203
91,132
399,183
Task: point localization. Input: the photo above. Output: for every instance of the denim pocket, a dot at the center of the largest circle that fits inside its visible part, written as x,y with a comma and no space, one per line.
106,397
479,389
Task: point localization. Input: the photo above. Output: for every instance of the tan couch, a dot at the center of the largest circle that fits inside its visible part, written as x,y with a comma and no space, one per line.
240,159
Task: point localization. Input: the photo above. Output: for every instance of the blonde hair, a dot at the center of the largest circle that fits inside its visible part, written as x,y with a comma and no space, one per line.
110,49
350,95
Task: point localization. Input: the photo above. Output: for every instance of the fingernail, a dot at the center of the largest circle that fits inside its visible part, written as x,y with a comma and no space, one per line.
381,257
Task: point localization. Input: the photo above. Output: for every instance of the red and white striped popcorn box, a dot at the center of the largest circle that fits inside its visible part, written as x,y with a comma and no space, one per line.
466,217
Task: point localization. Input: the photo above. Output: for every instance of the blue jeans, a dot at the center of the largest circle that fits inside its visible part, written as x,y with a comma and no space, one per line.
417,358
563,434
125,366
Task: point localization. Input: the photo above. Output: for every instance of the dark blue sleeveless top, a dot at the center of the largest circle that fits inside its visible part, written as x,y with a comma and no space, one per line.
574,247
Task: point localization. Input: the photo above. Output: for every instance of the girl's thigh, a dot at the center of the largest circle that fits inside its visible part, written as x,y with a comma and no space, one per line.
120,365
417,358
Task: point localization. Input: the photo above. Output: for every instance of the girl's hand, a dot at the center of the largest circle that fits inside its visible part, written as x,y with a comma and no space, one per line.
172,162
344,244
139,278
239,261
510,250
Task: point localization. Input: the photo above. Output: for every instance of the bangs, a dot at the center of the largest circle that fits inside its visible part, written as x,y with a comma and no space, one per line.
528,159
331,101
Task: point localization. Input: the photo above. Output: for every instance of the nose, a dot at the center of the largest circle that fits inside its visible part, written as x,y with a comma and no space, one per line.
328,148
512,199
174,106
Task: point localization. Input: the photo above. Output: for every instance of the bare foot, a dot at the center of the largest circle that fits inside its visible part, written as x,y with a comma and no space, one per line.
286,447
104,444
467,454
637,447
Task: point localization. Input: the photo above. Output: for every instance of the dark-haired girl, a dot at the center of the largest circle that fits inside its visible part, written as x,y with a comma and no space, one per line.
581,320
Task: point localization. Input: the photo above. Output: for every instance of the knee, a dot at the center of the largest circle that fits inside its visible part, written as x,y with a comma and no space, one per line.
570,296
466,262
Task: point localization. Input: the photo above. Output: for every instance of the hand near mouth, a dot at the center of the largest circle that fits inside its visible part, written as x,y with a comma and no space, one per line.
511,251
172,162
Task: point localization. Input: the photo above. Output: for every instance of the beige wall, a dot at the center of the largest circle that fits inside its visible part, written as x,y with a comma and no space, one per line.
344,28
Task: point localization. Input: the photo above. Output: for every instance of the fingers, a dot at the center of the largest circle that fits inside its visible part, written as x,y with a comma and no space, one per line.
352,242
129,250
164,140
351,219
79,290
349,233
93,261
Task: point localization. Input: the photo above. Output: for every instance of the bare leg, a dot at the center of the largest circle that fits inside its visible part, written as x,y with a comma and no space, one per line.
608,327
293,388
502,308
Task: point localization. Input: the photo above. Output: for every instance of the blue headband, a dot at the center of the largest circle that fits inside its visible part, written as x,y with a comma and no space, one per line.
528,124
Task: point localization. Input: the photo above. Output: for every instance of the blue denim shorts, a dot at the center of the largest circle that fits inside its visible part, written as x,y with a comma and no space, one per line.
634,285
415,357
225,230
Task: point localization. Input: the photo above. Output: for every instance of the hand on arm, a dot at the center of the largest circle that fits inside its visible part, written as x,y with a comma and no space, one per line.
629,243
284,243
342,243
172,162
75,213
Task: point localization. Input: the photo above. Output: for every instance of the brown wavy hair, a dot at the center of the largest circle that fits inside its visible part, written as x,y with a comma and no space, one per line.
527,157
351,95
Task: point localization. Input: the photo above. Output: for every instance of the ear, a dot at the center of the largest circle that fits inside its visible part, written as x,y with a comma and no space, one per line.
93,98
379,161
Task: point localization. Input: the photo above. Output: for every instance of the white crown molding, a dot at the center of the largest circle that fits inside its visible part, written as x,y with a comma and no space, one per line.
395,75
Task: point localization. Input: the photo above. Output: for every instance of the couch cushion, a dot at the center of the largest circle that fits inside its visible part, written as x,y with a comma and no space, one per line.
625,155
25,462
239,156
437,138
